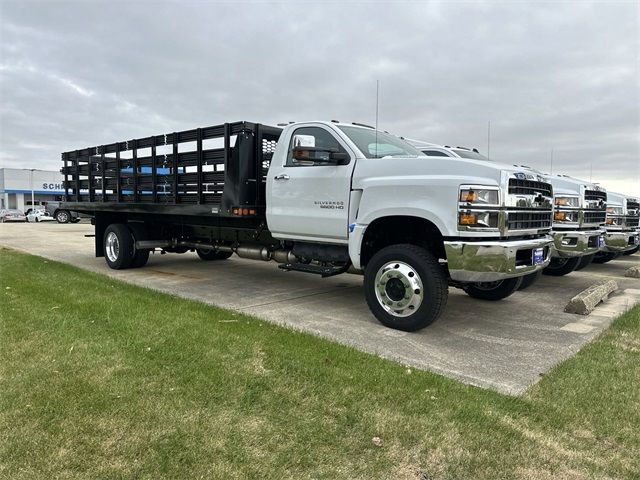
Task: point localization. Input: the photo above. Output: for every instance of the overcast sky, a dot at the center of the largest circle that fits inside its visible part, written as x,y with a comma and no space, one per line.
554,75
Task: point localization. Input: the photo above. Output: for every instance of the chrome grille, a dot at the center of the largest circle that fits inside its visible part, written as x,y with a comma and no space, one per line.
529,187
528,220
595,195
595,217
633,207
633,221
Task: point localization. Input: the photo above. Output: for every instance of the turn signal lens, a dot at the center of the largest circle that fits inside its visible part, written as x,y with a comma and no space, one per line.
468,196
468,219
609,221
561,216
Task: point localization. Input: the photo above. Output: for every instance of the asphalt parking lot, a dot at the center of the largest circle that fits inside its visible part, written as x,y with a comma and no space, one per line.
504,345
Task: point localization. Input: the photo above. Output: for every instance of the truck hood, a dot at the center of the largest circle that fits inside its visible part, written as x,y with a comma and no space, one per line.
468,171
569,185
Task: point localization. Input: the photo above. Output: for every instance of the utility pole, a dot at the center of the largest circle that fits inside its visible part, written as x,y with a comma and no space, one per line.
489,140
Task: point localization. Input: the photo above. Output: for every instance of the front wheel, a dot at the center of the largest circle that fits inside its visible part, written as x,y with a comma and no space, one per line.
530,279
561,266
210,254
62,216
493,290
585,261
405,287
604,257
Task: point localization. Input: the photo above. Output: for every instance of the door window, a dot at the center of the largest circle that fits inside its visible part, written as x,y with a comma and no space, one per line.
313,147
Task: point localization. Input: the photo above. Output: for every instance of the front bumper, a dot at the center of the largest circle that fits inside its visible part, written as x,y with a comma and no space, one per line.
621,241
576,243
488,261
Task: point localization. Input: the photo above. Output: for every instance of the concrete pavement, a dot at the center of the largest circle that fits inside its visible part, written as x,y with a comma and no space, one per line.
502,345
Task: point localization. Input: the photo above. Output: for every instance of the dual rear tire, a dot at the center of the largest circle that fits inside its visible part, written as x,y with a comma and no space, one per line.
119,247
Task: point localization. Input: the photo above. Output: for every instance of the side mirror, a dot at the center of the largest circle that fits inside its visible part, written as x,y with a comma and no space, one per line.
319,155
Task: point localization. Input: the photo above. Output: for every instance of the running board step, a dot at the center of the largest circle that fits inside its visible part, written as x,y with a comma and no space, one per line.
317,269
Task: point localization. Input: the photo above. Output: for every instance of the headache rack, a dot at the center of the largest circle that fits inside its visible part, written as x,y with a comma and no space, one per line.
211,169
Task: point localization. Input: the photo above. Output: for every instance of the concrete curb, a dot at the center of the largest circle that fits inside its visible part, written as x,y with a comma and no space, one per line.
586,301
633,272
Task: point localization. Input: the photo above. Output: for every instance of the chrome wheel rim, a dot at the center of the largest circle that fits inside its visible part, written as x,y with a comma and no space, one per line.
112,247
399,289
62,217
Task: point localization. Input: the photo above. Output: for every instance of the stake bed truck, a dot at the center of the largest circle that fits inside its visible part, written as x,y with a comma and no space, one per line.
323,198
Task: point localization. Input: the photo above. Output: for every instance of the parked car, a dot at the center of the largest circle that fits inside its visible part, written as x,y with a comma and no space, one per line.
12,215
62,215
39,216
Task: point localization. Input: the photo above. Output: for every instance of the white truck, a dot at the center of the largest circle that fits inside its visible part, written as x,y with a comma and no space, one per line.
323,198
622,235
578,219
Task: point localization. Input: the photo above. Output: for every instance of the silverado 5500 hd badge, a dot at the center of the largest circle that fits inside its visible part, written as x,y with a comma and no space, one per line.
329,204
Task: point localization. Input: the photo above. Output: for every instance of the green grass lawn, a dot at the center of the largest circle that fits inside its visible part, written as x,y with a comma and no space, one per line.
102,379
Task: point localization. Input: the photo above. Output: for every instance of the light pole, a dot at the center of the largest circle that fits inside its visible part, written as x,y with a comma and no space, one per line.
33,204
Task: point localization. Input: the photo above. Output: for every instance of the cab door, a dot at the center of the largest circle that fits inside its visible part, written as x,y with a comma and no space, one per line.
309,197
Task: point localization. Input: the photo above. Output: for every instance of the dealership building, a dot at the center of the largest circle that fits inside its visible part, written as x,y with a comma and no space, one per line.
17,185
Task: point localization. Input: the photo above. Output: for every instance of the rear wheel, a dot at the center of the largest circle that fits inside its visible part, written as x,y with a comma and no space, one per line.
604,257
118,246
139,232
561,266
585,261
211,254
530,279
405,287
62,216
493,290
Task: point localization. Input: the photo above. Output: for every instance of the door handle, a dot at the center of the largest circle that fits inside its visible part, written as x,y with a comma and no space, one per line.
282,176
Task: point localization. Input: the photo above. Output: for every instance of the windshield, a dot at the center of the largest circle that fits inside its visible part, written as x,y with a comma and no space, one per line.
469,154
379,145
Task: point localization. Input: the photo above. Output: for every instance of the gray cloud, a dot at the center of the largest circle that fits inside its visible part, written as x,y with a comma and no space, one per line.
559,75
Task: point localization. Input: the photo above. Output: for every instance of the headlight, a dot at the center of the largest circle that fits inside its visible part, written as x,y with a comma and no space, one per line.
567,201
479,196
478,219
614,210
571,217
